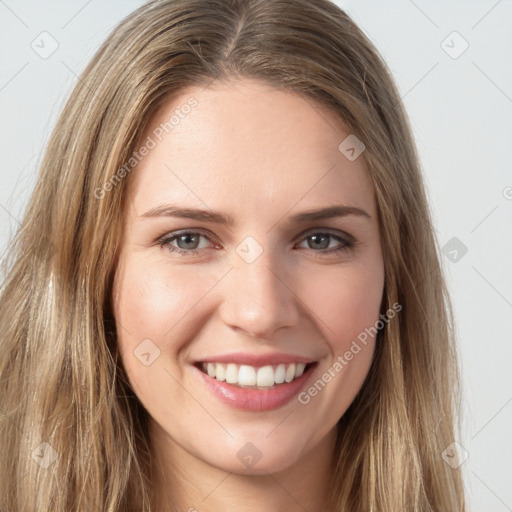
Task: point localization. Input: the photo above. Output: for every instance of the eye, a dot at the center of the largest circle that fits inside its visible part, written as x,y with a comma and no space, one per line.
320,240
188,243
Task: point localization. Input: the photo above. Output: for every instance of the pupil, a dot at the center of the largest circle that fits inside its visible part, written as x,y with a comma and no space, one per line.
325,239
187,240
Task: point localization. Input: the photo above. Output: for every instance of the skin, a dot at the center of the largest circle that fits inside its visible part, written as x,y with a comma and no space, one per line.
260,155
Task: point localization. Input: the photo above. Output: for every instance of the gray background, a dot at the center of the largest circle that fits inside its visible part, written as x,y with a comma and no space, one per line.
460,105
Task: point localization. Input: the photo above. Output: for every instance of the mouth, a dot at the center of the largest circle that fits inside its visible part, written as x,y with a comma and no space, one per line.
253,377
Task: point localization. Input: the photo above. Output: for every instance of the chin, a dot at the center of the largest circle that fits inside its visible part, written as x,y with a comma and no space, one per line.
256,453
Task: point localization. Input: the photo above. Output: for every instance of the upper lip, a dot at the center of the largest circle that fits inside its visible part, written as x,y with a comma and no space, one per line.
257,359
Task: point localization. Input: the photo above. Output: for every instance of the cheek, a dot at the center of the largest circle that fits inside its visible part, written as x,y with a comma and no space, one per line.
153,307
347,303
347,307
151,301
164,305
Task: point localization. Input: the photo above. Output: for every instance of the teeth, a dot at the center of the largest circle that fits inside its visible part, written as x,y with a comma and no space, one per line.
280,374
250,376
299,369
232,373
290,373
220,372
246,376
265,376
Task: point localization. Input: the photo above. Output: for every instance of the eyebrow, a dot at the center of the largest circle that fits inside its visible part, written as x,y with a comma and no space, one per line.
328,212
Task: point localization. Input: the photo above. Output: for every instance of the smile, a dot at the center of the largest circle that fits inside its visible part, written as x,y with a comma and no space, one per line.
255,387
252,377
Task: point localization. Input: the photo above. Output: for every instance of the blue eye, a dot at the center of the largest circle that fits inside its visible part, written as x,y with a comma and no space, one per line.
186,238
190,242
321,240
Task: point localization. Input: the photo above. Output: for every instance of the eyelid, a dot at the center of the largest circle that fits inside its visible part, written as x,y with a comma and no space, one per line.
173,235
328,231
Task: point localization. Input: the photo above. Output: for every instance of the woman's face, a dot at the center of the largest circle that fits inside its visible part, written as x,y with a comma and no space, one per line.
228,282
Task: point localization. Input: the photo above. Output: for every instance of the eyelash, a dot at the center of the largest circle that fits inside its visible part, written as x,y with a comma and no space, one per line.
167,239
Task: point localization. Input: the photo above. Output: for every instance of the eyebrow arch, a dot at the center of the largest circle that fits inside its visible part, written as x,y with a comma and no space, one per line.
219,218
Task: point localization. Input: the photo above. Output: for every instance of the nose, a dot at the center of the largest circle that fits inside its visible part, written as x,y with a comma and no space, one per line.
259,297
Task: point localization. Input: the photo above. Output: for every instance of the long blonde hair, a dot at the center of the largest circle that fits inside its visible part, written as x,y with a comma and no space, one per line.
62,380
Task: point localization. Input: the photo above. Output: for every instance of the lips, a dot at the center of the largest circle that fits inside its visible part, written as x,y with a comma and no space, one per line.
252,382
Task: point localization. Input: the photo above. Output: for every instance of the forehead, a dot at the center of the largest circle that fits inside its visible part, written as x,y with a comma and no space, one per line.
249,146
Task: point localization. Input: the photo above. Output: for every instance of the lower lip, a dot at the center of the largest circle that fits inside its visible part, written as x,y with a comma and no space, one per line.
255,399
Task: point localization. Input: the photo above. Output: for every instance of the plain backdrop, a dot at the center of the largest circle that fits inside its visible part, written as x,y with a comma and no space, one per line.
453,64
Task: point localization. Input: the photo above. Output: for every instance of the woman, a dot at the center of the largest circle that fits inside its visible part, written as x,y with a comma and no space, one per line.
255,369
